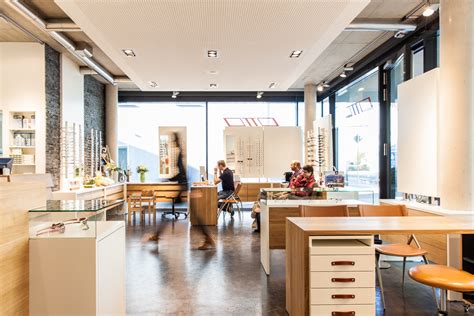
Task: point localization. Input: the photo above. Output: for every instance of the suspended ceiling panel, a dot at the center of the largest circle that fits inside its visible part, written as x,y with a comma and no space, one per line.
254,39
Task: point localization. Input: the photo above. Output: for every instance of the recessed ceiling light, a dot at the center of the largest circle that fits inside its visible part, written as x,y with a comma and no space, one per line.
361,89
296,53
175,94
128,52
153,84
343,74
429,9
213,72
212,53
259,94
272,85
213,85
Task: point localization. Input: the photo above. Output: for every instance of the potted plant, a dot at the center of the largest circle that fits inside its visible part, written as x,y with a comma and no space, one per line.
142,169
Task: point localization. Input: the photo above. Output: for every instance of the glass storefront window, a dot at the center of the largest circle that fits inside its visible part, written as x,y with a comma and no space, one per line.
325,107
396,77
357,132
138,135
417,62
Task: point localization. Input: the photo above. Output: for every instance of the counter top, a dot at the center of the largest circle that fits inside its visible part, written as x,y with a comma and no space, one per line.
384,225
296,203
87,190
433,209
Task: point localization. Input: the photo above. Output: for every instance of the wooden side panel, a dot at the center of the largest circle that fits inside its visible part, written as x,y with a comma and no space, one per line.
250,191
297,271
277,226
14,265
203,206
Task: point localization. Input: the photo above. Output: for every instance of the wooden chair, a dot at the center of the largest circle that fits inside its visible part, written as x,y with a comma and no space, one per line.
324,211
444,278
149,202
230,200
134,202
396,250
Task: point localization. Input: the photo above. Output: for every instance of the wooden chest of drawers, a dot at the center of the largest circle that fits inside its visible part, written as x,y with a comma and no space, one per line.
342,275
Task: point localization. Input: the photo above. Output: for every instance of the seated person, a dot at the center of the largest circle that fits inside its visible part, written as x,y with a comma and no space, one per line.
297,171
304,183
225,176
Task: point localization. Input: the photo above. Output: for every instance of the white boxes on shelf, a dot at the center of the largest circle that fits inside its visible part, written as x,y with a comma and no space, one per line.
342,275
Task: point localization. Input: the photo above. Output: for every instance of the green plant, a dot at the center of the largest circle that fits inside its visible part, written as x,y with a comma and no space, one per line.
142,169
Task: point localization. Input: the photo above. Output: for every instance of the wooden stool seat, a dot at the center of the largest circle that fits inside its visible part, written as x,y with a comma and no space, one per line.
443,277
400,250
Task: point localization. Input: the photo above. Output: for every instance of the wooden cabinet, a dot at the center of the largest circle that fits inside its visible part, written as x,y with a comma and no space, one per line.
342,275
250,190
203,205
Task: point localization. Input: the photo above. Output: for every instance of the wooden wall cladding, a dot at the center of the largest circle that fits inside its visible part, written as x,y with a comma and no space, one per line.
15,201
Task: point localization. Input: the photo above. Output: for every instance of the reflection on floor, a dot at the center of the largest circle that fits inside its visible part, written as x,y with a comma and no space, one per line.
168,275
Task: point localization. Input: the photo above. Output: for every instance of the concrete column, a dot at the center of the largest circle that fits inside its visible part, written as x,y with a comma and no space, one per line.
456,121
309,111
111,120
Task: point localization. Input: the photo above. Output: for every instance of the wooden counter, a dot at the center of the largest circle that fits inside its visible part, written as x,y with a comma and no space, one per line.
112,192
164,189
299,230
203,205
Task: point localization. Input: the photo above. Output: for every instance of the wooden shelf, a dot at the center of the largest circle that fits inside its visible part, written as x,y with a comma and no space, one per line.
24,164
22,146
32,130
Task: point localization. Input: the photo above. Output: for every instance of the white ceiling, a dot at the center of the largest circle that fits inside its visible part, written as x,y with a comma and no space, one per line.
254,39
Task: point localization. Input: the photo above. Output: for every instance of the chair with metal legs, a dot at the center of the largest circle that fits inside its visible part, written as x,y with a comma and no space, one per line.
230,200
446,279
396,250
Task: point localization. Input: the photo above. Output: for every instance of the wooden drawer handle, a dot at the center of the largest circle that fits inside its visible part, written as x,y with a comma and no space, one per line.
343,296
343,313
342,263
343,280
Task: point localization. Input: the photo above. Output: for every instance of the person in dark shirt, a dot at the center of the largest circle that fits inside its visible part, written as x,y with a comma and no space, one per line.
225,177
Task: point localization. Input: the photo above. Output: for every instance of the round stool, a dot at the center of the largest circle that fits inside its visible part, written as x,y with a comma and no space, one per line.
444,278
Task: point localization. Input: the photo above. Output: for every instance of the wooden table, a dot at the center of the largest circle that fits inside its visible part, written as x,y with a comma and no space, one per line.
299,230
203,205
273,214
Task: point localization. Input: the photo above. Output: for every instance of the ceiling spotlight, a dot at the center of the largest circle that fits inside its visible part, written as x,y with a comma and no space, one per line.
348,67
296,53
175,94
399,34
213,85
320,88
272,85
128,52
259,94
212,53
325,84
343,74
429,9
213,72
153,84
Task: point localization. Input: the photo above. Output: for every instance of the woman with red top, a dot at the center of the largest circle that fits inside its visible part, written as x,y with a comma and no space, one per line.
305,182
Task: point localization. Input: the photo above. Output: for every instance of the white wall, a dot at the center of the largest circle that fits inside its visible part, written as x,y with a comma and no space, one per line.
22,88
417,152
72,92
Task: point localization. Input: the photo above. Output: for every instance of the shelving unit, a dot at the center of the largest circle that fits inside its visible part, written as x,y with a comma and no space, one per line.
22,141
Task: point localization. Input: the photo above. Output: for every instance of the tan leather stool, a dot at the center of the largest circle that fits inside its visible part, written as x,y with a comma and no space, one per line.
444,278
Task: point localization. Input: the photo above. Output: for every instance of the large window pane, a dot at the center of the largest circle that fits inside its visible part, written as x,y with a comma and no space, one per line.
138,135
417,62
357,128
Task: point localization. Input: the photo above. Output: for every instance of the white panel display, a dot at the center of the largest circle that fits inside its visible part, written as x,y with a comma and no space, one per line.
282,145
261,152
417,151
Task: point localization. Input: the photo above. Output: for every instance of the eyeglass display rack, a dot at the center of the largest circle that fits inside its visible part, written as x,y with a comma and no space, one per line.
22,146
319,145
76,255
72,153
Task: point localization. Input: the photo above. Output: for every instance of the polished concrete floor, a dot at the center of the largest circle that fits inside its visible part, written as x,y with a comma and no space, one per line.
170,275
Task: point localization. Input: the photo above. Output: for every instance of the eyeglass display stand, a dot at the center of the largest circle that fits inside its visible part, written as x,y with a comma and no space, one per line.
80,270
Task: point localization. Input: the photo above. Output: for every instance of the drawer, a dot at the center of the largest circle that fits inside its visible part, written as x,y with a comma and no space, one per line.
348,296
342,263
345,310
342,279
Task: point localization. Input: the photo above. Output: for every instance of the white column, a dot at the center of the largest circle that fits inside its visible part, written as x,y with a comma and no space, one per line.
456,104
111,120
309,111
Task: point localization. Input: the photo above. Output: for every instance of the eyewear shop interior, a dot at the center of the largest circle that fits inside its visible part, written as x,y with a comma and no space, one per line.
203,158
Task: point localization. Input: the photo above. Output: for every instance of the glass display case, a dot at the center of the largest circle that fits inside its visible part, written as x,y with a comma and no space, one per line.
74,218
318,194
